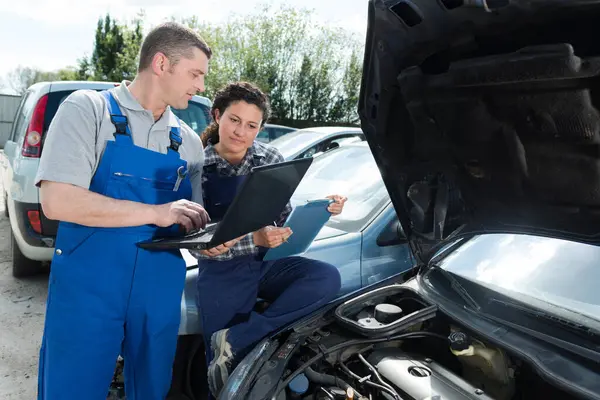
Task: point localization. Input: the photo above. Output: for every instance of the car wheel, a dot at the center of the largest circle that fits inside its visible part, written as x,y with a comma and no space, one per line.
195,381
22,266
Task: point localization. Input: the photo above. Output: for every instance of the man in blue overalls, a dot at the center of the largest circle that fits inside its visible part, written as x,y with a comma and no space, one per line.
118,167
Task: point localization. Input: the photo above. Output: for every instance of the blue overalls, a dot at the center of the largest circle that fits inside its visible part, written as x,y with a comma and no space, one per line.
218,191
228,290
108,297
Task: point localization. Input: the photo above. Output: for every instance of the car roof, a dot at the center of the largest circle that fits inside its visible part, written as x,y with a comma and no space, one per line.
330,129
278,126
321,133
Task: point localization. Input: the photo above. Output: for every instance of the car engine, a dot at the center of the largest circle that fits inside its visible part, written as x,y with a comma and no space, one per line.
392,344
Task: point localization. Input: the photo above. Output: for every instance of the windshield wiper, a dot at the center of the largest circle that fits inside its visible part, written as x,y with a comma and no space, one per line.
591,352
549,317
457,287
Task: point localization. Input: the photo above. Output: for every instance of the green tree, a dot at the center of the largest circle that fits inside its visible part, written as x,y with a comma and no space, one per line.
345,106
67,74
84,69
116,51
303,88
298,61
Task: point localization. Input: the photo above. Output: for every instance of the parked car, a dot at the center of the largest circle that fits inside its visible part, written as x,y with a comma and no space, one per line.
32,234
483,122
312,142
271,132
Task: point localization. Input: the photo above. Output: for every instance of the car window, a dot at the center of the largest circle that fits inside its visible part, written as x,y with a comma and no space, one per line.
337,142
311,151
279,132
263,136
351,172
346,139
294,141
55,99
197,116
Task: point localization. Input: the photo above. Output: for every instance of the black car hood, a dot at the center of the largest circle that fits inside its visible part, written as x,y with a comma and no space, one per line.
483,117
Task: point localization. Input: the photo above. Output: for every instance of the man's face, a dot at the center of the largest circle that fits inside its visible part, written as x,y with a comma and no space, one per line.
184,79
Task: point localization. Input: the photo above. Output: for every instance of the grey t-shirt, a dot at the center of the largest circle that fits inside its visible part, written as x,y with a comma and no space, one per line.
79,131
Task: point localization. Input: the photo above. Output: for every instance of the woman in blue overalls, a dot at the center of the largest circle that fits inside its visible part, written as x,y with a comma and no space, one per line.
231,279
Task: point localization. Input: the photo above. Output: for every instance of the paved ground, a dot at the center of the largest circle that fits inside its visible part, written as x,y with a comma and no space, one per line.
22,307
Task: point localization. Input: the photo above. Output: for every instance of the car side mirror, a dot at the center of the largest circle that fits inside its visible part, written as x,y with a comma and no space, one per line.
392,235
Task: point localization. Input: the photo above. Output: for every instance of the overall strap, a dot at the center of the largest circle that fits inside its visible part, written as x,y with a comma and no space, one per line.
116,117
209,169
175,137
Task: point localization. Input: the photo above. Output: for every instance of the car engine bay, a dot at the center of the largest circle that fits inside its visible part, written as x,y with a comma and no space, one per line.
392,344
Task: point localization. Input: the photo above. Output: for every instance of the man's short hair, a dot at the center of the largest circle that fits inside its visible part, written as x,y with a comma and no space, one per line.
174,41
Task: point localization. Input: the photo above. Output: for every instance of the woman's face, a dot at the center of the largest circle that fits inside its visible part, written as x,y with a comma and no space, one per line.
238,126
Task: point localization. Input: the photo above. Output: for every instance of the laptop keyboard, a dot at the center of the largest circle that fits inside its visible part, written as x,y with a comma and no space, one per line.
209,229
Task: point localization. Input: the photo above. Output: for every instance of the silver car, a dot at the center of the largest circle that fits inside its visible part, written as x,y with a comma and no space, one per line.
312,142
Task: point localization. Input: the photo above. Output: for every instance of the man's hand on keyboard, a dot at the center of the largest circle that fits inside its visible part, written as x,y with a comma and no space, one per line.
220,249
191,216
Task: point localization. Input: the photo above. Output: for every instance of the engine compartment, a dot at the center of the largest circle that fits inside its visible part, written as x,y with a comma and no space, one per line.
393,344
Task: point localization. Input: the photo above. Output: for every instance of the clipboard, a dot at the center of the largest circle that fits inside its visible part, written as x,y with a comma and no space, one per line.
305,221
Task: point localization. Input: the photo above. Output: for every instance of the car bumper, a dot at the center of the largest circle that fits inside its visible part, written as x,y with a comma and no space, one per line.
32,244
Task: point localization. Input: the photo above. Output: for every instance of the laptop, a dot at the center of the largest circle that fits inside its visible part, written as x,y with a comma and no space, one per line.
259,201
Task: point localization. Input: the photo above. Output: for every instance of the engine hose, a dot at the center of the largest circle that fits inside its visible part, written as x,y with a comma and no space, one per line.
351,374
374,371
379,378
329,380
349,343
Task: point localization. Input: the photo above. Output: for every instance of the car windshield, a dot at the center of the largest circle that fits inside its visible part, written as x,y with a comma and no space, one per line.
294,142
555,272
349,171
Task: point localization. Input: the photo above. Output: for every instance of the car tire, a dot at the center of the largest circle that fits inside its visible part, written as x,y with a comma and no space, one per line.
6,205
194,382
22,266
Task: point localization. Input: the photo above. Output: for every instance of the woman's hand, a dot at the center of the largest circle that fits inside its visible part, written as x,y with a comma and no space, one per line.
338,204
271,236
220,249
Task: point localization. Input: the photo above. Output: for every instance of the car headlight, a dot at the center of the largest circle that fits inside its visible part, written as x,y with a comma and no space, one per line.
238,383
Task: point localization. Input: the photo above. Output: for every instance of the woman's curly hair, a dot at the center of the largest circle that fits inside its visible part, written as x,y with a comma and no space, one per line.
232,93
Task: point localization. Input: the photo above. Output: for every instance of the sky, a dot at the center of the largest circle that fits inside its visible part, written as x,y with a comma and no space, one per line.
53,34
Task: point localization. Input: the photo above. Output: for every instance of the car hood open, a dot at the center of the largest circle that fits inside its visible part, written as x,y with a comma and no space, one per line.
482,116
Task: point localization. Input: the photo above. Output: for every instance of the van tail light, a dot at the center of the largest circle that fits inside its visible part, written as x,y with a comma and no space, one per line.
34,221
32,145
